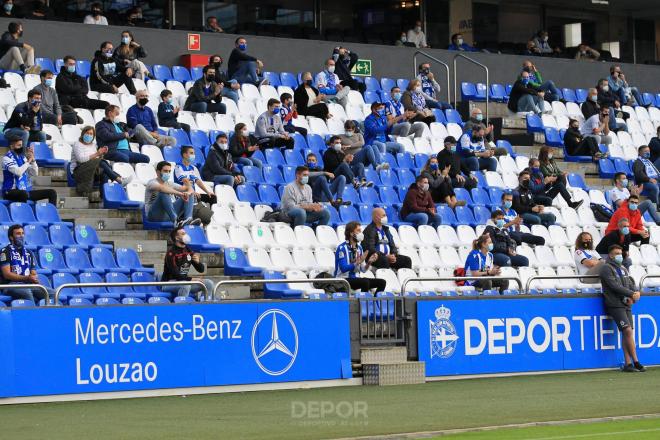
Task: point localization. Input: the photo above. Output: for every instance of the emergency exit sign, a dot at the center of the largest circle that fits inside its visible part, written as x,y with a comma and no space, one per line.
194,42
362,68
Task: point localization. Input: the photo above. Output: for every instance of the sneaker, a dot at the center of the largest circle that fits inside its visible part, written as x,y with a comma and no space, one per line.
185,222
33,69
639,367
630,368
356,184
576,205
346,203
383,166
336,203
367,183
126,180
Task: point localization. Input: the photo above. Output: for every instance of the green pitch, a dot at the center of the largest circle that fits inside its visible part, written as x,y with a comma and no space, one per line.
361,411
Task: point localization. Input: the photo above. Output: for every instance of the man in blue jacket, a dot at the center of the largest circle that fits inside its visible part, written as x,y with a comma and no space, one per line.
376,129
142,119
113,134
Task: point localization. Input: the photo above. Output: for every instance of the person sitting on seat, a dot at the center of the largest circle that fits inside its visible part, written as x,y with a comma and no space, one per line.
178,259
19,167
269,129
112,133
243,67
414,100
309,101
378,240
526,97
219,167
352,142
512,222
597,126
243,145
480,263
345,59
621,236
159,205
168,112
441,188
646,174
230,87
416,36
474,152
18,266
546,187
431,87
523,202
376,129
72,88
578,145
140,118
504,246
418,207
105,75
327,82
459,172
128,55
205,96
351,259
629,209
337,162
186,173
297,201
51,110
541,41
536,80
608,99
15,54
288,112
26,121
398,118
620,193
586,53
324,184
587,260
619,85
459,44
477,118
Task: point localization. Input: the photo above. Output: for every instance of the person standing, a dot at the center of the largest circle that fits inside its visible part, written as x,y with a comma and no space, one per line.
619,295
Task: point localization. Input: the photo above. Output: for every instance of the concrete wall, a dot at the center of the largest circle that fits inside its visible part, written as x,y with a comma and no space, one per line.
54,39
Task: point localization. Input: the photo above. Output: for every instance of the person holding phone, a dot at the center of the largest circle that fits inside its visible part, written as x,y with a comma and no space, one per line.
350,260
18,168
479,263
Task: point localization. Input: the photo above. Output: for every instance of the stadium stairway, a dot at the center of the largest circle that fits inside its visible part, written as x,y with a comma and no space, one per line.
389,366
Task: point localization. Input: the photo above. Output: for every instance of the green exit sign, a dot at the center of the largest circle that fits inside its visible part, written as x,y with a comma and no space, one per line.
362,68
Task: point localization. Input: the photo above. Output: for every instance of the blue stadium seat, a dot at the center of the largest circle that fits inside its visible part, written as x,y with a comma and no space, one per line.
199,242
511,292
289,79
348,214
421,159
657,100
46,64
581,95
162,72
495,195
183,299
439,116
447,214
279,291
351,195
569,95
131,300
622,166
335,219
534,124
102,259
77,258
387,84
405,160
482,92
123,291
199,139
402,83
86,236
105,301
18,303
498,93
508,146
51,260
44,156
406,177
181,74
606,169
96,292
299,141
47,212
196,73
364,212
372,84
77,302
66,278
389,196
269,195
577,181
237,265
371,96
247,193
289,172
273,175
463,194
389,178
481,214
59,63
317,296
552,137
372,175
22,213
115,197
453,116
393,217
36,237
129,259
464,216
369,196
274,157
172,154
180,135
142,276
293,157
481,179
315,143
83,67
61,236
253,174
273,78
647,99
480,198
158,300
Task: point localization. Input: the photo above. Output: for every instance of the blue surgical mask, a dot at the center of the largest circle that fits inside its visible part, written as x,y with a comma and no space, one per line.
618,259
508,204
500,223
536,170
191,158
170,100
452,148
381,112
71,69
397,96
88,138
276,111
304,180
125,40
311,164
166,176
242,46
48,82
525,81
479,117
35,102
490,246
624,183
646,155
434,166
8,7
632,206
593,98
625,230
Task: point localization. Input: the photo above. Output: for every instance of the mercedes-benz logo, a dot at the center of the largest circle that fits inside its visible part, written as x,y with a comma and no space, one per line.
281,350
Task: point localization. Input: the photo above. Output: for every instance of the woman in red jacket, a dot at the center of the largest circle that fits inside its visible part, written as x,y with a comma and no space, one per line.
418,207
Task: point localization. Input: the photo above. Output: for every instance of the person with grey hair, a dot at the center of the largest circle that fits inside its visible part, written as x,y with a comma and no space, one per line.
620,237
598,127
142,120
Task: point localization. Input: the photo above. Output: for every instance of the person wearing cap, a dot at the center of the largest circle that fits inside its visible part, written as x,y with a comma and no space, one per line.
458,171
377,128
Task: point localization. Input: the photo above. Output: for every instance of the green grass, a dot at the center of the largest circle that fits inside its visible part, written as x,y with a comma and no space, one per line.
428,407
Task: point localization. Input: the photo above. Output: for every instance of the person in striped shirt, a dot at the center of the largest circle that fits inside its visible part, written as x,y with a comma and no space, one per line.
479,263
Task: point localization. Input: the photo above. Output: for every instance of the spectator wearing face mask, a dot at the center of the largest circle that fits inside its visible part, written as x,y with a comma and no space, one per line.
399,118
212,25
219,166
230,87
51,111
339,161
598,127
178,259
26,121
326,187
378,240
159,205
607,99
473,150
586,53
459,173
72,88
205,96
297,201
477,118
96,16
269,129
549,168
523,202
620,236
376,131
328,83
243,67
344,62
417,36
186,173
242,146
431,87
351,260
541,41
587,260
546,187
106,76
578,145
289,112
414,100
440,185
115,135
480,263
140,118
512,222
128,55
526,97
352,142
168,112
9,10
458,43
619,85
620,193
19,167
403,40
309,101
504,246
418,207
536,80
647,174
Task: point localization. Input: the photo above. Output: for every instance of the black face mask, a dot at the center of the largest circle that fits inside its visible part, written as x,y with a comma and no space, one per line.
308,82
218,64
524,183
96,12
210,77
143,101
19,151
587,244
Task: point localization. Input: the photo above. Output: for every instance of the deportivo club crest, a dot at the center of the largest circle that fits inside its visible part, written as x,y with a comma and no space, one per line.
443,335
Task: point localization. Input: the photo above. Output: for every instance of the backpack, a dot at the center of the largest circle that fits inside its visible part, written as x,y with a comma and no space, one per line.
602,213
203,212
331,287
276,216
459,272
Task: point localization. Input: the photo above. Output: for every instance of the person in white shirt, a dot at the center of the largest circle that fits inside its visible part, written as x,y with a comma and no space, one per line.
587,260
327,82
168,201
87,159
620,194
417,36
597,126
399,118
96,16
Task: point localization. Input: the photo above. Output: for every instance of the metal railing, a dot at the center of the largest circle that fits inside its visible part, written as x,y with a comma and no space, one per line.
381,321
412,280
279,281
455,62
132,284
28,286
644,278
431,57
557,277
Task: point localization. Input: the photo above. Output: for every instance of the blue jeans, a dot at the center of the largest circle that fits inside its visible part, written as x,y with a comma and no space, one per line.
551,92
164,209
26,135
652,208
530,103
389,147
323,190
208,107
246,72
300,216
249,161
423,218
126,156
480,163
230,93
352,172
224,179
368,155
106,172
191,288
651,191
546,219
28,293
502,260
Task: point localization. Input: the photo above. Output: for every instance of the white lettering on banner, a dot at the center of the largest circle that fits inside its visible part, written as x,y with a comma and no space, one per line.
603,331
640,341
116,373
153,331
495,336
561,336
581,320
512,339
468,325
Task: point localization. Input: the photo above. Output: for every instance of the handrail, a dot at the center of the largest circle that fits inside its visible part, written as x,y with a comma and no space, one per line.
557,277
410,280
641,280
460,55
28,286
421,52
131,284
280,281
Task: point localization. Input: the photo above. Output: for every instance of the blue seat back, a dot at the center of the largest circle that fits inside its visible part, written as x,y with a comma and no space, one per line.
247,193
348,214
77,258
91,277
102,258
274,157
162,72
47,212
51,258
116,277
86,235
253,174
268,194
288,79
21,212
65,278
128,258
36,235
387,84
83,67
181,74
273,175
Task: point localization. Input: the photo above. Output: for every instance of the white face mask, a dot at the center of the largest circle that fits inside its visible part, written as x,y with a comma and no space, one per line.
418,89
418,29
606,88
425,187
223,146
245,133
185,239
459,41
359,237
349,133
337,147
383,220
549,156
331,69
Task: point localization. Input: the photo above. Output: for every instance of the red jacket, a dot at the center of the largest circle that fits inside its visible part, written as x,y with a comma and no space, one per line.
417,201
634,217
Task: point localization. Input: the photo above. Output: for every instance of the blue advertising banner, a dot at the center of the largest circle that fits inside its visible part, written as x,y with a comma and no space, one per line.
97,349
480,336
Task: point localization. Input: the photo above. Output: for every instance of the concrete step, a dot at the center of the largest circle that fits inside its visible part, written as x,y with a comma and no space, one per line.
138,235
402,373
495,109
133,216
383,355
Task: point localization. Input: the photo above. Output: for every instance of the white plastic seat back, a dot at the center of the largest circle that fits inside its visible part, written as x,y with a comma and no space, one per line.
306,237
223,216
262,235
391,280
306,261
